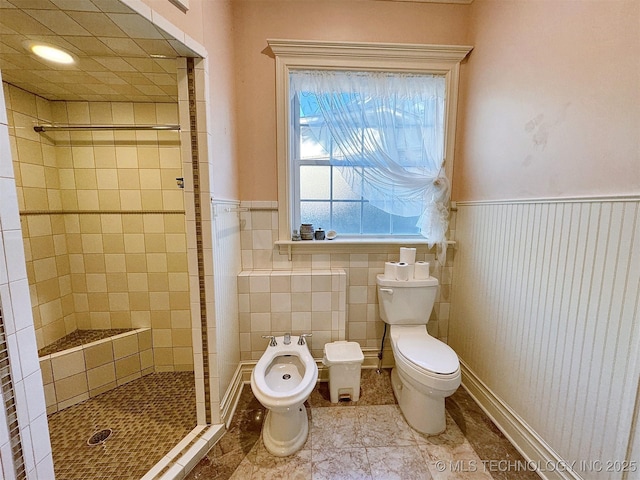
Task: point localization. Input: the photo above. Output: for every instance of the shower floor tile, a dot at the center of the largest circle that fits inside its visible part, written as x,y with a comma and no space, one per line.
148,417
368,439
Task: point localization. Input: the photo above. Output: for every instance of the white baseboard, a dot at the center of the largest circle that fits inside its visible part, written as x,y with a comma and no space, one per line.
532,447
186,454
231,397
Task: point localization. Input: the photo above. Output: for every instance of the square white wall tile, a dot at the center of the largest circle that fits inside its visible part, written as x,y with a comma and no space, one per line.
301,283
14,255
6,164
262,240
21,304
9,204
280,302
7,310
28,351
44,469
259,282
35,396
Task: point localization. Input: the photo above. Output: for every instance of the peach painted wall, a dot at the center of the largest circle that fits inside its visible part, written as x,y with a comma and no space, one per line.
218,39
191,22
209,22
349,20
550,100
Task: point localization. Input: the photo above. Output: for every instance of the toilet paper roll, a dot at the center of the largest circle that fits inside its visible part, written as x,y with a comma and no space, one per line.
421,270
390,270
402,271
408,255
411,273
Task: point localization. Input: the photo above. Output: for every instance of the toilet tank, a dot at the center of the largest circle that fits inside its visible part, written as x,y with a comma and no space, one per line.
406,302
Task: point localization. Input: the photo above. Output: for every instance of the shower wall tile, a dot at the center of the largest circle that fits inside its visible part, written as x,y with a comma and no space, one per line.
261,260
98,355
38,188
125,346
67,365
102,270
100,377
71,387
127,369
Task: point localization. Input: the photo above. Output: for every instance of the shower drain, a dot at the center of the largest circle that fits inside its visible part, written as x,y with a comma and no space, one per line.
99,437
286,376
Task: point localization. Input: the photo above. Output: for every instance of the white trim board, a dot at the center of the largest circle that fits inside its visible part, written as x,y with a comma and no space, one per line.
585,199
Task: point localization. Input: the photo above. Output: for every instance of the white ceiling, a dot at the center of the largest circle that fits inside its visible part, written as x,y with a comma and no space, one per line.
116,51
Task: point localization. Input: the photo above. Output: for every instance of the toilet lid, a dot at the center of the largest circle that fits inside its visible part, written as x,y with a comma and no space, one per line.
429,353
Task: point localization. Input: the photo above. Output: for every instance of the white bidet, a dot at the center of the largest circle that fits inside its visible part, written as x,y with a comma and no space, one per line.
282,381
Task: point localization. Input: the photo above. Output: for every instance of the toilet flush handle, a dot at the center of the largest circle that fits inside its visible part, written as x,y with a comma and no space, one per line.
387,290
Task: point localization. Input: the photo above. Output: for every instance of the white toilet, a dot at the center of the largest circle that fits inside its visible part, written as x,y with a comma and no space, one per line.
282,381
427,370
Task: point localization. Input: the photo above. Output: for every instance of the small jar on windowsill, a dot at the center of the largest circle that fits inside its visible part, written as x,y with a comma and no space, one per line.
306,231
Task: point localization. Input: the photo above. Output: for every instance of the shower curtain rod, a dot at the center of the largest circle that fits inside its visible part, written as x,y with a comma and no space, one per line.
48,127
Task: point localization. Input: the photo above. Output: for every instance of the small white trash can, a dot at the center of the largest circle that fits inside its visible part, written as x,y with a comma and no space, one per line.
344,360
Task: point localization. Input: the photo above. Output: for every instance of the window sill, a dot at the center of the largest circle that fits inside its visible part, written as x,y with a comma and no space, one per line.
352,245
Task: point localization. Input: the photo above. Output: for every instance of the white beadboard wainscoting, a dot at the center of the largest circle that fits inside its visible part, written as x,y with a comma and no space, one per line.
226,266
545,321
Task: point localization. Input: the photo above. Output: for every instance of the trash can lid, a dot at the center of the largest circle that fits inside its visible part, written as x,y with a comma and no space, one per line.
343,352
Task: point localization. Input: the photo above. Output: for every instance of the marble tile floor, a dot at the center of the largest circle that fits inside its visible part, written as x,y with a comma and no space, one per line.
368,439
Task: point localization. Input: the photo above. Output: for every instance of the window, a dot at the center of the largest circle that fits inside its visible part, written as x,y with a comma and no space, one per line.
324,178
366,149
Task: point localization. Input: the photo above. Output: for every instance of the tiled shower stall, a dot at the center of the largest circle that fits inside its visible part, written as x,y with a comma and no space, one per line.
103,222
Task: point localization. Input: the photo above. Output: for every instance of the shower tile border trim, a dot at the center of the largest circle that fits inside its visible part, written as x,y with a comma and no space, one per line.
133,331
8,397
187,453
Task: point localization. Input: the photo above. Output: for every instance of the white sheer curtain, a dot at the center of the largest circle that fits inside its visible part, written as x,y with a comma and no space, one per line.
389,131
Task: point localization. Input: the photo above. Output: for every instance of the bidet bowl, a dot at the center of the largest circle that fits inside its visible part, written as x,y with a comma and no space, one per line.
284,374
281,381
268,381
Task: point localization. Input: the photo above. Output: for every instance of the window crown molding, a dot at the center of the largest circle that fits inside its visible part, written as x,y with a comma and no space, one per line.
405,51
451,2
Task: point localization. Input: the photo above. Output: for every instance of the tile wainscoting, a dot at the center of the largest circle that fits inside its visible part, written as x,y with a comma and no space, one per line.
276,302
259,231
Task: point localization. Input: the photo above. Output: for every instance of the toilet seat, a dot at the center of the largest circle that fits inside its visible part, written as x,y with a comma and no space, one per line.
428,353
425,354
424,379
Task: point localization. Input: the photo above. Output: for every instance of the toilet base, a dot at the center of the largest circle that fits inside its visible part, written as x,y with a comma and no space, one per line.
422,412
284,433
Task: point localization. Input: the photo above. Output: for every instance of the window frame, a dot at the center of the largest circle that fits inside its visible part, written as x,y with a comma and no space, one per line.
386,57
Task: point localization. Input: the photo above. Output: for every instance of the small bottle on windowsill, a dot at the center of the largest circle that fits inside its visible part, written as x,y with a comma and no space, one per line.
296,236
